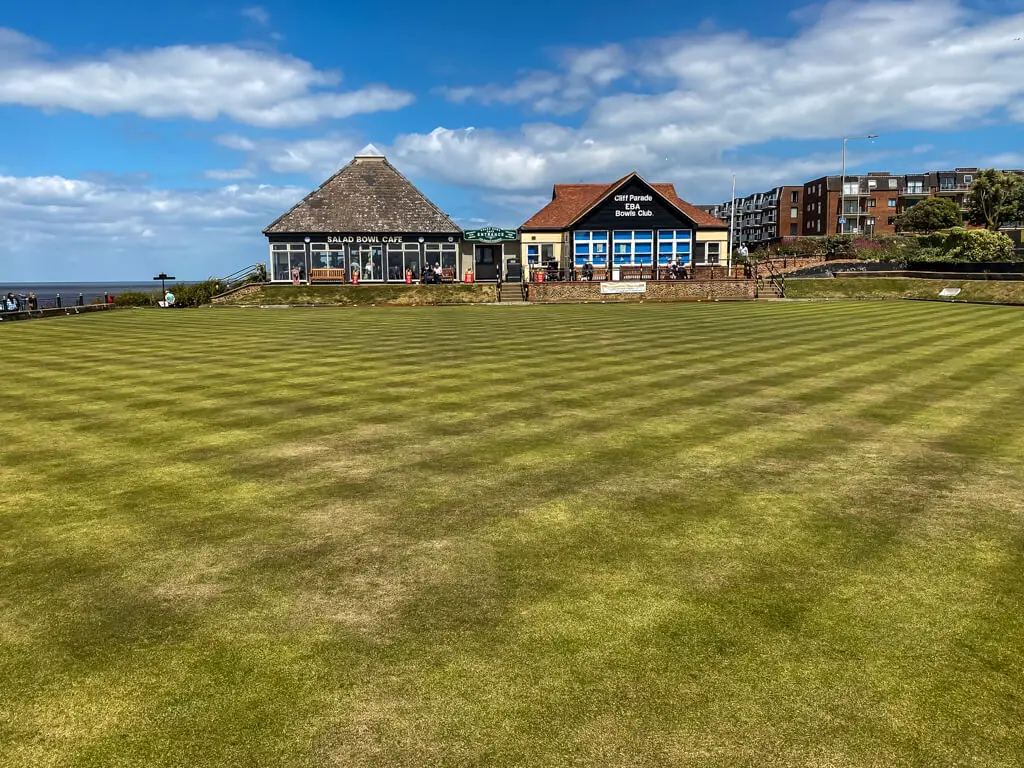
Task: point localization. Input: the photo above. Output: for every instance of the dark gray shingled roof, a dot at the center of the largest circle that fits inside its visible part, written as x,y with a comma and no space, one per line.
367,195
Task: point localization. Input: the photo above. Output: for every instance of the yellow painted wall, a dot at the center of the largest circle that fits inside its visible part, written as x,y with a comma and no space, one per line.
558,239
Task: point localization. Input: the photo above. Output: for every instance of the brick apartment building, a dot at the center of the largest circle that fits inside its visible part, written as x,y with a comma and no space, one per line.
870,203
765,217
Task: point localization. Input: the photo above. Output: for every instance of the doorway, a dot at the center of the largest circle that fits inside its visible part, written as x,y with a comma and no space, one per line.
486,262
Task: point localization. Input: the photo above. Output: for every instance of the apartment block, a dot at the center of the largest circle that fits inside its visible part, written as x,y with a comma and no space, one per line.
764,217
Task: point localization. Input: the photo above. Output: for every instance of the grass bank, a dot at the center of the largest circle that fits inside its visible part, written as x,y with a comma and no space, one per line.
987,291
364,295
719,535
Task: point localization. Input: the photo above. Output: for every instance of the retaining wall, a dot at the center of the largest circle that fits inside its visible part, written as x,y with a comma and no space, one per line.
667,290
55,312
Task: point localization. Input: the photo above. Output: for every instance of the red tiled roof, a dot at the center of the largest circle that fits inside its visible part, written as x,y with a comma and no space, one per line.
570,201
567,202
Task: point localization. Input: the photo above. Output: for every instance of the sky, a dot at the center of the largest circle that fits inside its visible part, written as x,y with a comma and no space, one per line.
145,137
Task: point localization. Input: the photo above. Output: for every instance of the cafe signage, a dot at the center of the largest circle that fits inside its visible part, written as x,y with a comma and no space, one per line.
490,235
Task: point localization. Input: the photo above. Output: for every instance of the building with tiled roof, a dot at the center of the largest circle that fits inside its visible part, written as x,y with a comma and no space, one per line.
366,223
629,223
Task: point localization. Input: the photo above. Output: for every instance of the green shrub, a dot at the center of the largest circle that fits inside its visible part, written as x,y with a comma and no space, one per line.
197,294
134,299
965,245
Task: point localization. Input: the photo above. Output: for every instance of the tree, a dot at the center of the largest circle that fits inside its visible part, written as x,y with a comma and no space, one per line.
978,245
930,216
996,199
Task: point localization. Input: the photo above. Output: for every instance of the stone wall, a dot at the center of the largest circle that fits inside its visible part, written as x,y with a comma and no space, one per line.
55,312
232,295
668,290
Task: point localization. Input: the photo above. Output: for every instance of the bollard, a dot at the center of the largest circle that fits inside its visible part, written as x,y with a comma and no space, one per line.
58,301
81,300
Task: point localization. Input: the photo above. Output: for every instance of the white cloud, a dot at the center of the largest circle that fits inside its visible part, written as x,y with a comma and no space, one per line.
68,227
584,72
258,14
686,103
230,174
199,82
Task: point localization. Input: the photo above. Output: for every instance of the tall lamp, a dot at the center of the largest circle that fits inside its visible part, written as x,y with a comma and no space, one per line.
842,184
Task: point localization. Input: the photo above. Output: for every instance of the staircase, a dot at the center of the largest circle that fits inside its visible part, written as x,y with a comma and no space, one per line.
770,284
510,293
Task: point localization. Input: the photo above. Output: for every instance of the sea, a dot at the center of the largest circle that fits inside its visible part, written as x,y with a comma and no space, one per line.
69,292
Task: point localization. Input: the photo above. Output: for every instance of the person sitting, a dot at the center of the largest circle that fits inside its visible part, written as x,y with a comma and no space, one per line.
588,271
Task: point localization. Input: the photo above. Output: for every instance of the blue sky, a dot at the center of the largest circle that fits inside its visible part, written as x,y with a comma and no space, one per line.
164,136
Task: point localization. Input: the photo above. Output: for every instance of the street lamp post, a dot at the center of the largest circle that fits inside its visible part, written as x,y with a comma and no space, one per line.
842,183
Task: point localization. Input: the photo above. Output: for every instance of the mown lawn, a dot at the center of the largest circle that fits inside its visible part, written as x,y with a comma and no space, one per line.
648,535
983,291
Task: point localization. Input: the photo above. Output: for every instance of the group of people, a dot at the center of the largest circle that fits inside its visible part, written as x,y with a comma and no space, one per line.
14,303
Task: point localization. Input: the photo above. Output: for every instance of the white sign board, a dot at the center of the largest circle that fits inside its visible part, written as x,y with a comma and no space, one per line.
626,287
949,293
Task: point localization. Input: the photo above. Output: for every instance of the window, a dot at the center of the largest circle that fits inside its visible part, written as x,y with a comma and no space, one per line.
872,183
794,212
633,247
915,187
674,245
792,229
819,207
968,179
872,202
367,260
592,247
794,197
712,253
327,256
891,202
894,183
284,257
851,188
444,254
532,254
402,258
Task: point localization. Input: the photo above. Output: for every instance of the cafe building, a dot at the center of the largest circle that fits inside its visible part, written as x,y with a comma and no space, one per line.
623,230
368,224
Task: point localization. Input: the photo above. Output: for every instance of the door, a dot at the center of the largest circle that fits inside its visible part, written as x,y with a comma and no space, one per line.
486,262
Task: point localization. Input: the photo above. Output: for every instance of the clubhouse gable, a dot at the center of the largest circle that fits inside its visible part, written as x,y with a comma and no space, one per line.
624,229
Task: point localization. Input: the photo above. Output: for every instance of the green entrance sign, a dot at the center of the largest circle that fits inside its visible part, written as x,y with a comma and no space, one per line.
490,235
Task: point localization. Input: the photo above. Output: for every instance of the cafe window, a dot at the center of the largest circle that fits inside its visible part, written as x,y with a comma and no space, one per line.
590,247
285,257
324,256
674,244
403,257
443,254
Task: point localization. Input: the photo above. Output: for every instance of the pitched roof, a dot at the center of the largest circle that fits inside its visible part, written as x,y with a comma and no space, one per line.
570,201
367,195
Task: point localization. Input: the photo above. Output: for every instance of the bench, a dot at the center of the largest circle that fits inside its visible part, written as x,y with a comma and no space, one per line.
447,275
636,273
327,274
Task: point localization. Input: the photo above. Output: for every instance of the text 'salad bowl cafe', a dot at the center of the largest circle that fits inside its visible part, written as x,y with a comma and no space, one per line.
369,224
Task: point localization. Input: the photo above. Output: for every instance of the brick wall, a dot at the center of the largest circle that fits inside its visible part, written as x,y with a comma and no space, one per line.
670,290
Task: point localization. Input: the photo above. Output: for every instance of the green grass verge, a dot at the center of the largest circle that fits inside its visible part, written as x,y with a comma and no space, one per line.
777,534
365,295
997,291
